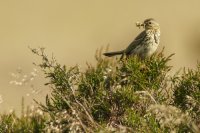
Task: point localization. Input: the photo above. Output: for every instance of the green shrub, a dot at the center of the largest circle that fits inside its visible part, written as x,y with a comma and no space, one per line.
115,95
187,92
33,121
128,95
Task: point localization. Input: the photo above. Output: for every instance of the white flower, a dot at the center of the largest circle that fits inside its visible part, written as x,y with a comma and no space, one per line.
19,83
40,112
108,70
11,111
34,69
33,74
104,77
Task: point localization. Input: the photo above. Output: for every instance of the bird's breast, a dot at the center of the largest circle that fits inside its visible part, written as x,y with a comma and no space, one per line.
151,43
148,45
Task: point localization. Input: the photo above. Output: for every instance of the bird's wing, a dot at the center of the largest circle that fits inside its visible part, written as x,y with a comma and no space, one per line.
135,42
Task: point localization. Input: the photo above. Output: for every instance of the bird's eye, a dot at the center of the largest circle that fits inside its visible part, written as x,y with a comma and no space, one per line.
149,22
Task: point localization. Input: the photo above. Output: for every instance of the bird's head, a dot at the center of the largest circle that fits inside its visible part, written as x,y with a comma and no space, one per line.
150,24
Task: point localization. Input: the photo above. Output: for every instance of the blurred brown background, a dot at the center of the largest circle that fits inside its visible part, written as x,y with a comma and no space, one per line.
74,29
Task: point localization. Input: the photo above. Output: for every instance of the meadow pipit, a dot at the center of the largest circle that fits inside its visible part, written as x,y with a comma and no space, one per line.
145,44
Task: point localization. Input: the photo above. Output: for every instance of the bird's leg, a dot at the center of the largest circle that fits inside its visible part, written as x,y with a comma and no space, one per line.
123,57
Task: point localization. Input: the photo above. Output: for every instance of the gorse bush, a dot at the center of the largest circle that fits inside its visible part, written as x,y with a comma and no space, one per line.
187,93
128,95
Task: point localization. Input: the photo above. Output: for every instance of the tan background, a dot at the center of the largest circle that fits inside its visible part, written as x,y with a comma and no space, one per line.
74,29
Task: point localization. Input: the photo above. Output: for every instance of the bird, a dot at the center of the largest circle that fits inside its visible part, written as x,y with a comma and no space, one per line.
145,44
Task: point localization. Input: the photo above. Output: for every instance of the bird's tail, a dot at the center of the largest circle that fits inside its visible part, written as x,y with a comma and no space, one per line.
110,54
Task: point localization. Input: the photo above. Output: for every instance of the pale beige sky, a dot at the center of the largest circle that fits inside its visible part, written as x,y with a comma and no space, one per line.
74,29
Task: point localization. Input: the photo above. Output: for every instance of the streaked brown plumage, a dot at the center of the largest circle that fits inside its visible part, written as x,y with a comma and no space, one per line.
145,44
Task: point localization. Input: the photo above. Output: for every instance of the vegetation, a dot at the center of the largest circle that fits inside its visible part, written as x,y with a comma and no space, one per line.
128,95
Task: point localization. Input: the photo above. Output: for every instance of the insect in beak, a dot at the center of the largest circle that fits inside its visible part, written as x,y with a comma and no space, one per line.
142,24
138,24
